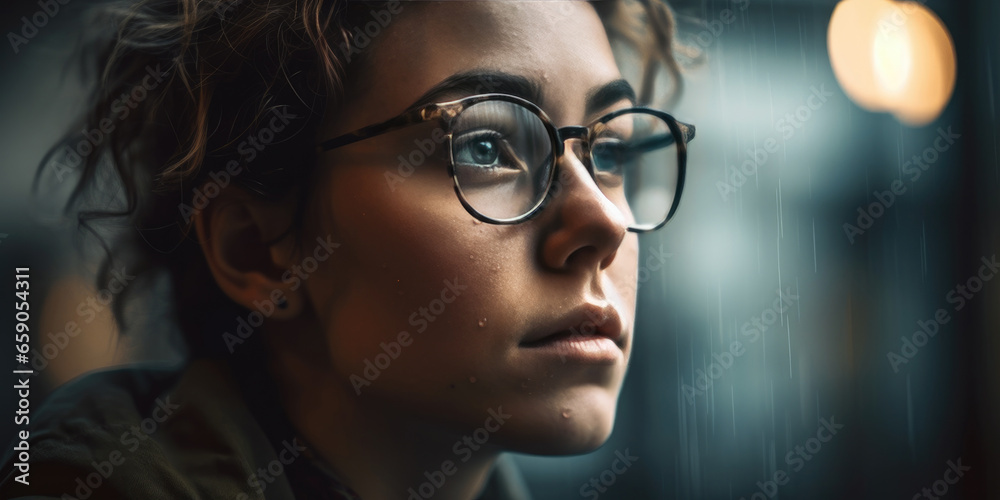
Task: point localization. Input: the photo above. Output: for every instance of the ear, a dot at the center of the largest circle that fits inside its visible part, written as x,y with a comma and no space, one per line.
234,231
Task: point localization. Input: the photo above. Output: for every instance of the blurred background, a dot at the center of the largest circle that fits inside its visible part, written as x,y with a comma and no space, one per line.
802,179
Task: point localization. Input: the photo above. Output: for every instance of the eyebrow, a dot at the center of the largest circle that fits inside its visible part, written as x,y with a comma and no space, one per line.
610,93
488,82
481,82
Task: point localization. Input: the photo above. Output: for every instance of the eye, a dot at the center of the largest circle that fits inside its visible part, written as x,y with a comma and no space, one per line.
610,155
486,149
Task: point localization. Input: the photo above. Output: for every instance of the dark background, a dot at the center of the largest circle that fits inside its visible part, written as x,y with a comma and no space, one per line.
828,355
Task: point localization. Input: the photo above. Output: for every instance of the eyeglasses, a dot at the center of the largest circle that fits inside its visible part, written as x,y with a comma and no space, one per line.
504,152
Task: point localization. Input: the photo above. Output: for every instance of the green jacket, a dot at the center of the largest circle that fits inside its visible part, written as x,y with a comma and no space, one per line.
156,433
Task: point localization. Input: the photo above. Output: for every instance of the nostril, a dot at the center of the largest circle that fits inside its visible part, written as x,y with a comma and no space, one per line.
584,255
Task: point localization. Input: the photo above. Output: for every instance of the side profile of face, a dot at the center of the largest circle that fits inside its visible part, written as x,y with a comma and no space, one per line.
469,294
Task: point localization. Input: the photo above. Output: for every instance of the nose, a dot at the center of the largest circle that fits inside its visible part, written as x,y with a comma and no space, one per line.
585,228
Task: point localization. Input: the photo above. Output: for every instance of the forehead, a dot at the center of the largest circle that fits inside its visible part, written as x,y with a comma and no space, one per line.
561,46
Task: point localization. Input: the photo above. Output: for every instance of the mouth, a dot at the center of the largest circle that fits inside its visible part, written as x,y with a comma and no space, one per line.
591,333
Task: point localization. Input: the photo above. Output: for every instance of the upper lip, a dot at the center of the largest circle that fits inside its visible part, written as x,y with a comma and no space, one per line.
589,319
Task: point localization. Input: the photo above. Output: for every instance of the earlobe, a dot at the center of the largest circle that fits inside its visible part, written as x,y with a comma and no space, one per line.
234,232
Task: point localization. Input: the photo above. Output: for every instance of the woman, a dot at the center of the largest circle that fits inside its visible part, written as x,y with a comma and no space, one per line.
401,251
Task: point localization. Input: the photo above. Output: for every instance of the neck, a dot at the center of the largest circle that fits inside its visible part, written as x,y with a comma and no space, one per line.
376,451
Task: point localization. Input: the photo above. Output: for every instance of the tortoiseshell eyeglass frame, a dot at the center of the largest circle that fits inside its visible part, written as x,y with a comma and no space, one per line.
446,112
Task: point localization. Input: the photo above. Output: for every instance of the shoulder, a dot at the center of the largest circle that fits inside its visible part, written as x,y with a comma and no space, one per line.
183,431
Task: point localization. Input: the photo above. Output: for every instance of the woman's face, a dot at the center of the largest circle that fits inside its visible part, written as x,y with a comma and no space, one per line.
471,295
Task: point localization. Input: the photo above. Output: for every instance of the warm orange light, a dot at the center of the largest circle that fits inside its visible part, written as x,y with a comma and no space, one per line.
893,56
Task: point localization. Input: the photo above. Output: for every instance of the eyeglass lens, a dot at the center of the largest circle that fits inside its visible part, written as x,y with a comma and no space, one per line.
502,155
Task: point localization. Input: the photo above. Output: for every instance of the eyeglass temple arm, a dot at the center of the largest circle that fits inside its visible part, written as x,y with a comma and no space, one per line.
406,119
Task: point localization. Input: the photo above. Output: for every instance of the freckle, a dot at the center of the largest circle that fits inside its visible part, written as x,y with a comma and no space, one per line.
565,414
472,380
482,322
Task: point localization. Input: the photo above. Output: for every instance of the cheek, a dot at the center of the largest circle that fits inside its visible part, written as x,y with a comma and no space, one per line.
624,272
412,260
423,306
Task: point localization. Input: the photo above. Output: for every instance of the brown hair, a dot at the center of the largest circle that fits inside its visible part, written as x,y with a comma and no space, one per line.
179,83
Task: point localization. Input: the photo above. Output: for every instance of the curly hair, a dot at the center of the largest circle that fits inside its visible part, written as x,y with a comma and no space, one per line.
179,83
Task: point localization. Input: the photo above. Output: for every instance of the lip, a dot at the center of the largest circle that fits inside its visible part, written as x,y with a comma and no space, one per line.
590,333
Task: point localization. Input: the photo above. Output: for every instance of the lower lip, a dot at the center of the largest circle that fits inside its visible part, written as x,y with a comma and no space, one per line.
596,350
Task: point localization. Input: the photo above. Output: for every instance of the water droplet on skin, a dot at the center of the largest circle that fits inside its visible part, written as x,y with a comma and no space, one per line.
482,322
472,257
565,413
472,380
476,222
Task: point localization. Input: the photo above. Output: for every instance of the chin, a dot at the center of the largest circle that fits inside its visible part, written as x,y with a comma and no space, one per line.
579,421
